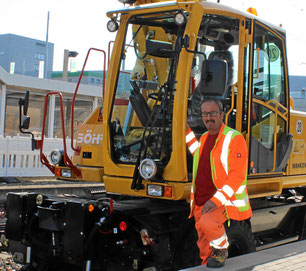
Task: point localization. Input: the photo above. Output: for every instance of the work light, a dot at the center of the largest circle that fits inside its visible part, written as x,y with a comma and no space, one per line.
112,25
56,157
147,169
180,18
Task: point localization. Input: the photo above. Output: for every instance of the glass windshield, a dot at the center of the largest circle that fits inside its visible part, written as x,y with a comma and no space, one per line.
141,114
218,40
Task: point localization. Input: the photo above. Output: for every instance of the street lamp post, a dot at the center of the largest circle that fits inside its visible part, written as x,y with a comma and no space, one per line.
67,54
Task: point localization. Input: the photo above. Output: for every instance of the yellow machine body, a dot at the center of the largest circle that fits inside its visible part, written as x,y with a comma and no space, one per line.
167,57
264,119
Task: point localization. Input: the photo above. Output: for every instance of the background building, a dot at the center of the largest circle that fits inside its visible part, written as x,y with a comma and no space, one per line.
16,155
297,91
26,56
94,78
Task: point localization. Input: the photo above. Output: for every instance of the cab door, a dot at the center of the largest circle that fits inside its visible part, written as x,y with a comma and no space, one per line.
270,143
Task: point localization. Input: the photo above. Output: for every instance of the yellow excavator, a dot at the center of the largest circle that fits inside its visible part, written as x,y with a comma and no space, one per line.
167,57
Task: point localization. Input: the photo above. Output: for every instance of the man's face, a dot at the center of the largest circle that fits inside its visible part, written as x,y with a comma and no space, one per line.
212,117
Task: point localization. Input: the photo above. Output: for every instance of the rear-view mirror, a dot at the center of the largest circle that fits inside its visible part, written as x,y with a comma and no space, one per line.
26,102
25,122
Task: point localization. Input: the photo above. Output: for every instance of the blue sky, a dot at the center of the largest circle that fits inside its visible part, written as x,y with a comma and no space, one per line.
79,25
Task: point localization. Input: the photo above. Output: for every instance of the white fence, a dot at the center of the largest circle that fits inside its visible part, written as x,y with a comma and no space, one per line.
18,160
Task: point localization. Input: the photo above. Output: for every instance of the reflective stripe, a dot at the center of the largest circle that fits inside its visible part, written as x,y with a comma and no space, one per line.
220,243
228,190
238,203
189,137
241,189
220,240
218,195
224,153
213,170
244,208
194,146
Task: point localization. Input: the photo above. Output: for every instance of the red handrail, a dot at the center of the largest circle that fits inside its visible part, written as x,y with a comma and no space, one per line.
77,150
44,160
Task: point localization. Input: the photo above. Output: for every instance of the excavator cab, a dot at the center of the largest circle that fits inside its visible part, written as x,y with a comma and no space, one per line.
169,69
164,69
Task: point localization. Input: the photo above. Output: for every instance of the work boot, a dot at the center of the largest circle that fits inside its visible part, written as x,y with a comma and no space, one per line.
217,258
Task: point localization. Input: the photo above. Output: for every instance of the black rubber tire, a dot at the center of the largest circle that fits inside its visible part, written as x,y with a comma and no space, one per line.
240,237
187,252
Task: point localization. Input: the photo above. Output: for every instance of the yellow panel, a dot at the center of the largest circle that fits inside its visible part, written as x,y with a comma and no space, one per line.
123,186
294,181
264,187
297,160
90,139
88,174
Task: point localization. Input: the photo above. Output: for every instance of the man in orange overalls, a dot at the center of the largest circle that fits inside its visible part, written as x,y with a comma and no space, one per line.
218,190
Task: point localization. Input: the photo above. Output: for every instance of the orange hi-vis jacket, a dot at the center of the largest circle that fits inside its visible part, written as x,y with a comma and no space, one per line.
228,160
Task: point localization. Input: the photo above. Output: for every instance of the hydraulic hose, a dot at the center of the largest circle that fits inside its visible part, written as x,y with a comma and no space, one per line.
93,234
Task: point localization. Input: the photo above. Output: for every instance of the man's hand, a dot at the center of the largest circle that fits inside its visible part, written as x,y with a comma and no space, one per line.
208,207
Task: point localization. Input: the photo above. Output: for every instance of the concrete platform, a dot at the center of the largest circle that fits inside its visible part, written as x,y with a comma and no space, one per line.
286,257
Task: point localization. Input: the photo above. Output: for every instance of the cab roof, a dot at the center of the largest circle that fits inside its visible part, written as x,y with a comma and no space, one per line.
210,7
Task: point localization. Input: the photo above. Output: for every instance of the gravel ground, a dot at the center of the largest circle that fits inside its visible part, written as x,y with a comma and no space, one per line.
6,259
7,263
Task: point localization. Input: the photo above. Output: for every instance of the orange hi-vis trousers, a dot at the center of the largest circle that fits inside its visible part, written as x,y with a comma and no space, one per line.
211,231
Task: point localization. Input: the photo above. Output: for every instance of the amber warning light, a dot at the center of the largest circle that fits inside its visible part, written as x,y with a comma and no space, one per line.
91,208
252,11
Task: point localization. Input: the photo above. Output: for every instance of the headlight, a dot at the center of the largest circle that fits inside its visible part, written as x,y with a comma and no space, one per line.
56,157
112,25
155,190
147,169
66,173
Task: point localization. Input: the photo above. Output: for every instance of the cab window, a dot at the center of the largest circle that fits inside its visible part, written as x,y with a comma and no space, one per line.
269,114
268,68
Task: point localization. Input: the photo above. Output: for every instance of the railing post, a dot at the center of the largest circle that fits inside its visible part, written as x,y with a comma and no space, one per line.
2,108
7,156
51,116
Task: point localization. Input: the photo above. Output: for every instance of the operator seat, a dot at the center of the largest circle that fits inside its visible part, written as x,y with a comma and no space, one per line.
228,57
194,114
